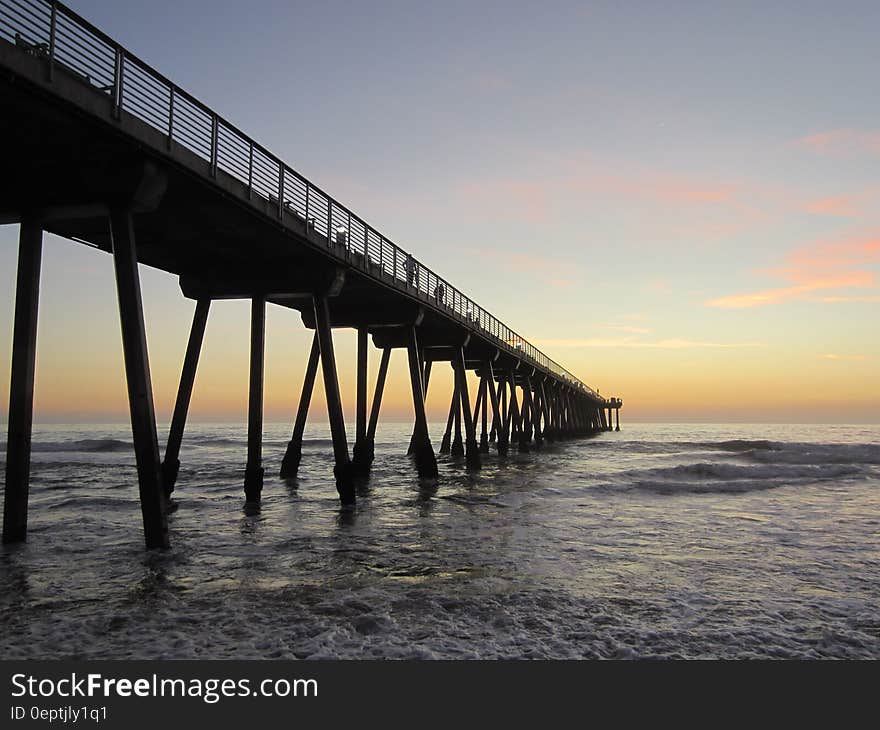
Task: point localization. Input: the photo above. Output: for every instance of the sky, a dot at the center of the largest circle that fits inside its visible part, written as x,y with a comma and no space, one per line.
676,201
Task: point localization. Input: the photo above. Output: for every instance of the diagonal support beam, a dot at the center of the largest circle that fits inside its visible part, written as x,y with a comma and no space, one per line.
342,471
493,400
377,402
445,445
293,454
426,462
171,462
426,376
137,375
472,453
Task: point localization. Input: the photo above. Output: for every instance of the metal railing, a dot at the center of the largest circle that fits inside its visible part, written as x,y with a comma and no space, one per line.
73,46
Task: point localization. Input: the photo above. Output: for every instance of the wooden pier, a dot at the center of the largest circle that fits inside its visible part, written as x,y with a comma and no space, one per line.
102,149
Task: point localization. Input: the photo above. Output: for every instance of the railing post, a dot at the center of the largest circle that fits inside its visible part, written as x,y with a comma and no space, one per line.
280,190
53,20
329,222
308,189
118,79
214,126
250,170
170,116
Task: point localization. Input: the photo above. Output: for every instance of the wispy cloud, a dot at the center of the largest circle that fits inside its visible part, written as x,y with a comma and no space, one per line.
786,294
835,356
870,299
818,267
490,81
626,328
840,206
841,141
667,344
555,272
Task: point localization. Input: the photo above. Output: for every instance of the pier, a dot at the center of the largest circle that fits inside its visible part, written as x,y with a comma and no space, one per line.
102,149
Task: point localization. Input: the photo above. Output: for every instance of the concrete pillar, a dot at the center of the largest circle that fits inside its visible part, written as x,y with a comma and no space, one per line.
360,460
483,400
253,472
137,372
21,388
457,448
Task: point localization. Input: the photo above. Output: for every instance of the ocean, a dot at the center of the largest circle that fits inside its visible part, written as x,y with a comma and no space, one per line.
660,541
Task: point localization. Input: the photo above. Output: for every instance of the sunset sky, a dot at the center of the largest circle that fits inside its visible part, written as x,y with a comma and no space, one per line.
678,201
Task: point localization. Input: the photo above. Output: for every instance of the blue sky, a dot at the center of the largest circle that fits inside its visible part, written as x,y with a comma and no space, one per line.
668,198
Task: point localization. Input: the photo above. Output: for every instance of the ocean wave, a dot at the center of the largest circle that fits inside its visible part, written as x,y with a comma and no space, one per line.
93,446
219,441
762,450
722,477
743,445
723,471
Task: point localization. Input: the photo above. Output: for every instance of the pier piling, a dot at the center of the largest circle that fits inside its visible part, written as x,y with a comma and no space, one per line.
21,389
253,473
361,460
137,374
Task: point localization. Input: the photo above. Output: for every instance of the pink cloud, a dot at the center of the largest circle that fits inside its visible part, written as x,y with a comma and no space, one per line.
785,294
554,272
658,188
818,267
872,299
525,200
491,82
841,141
824,257
843,206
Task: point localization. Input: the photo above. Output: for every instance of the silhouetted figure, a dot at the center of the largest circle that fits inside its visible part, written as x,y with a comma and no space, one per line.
412,271
439,293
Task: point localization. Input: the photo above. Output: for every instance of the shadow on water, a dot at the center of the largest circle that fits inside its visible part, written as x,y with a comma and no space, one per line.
346,516
154,581
291,484
248,526
15,576
362,487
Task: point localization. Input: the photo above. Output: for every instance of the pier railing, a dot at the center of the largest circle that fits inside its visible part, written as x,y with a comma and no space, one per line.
71,44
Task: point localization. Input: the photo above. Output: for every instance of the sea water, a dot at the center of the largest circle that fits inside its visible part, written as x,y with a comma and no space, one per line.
675,540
